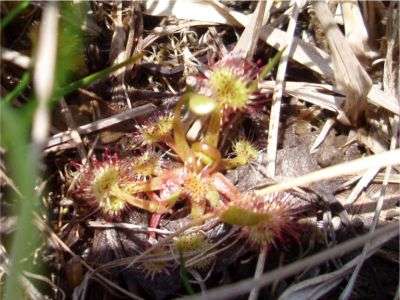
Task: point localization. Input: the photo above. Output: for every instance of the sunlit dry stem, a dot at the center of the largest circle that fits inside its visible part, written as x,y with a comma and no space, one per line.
214,127
182,147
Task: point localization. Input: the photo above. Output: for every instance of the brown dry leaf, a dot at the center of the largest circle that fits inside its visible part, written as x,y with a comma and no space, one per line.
350,76
248,40
356,31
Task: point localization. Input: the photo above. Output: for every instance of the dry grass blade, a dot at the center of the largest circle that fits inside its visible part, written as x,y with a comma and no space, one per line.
9,182
382,99
361,184
355,30
391,71
388,158
117,53
350,76
309,92
371,142
194,10
304,53
227,13
278,92
377,238
134,33
259,270
315,288
43,79
47,281
16,58
313,93
320,62
133,227
248,40
75,136
323,134
65,136
121,50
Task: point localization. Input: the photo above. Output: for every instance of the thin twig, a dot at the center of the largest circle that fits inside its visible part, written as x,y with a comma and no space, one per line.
323,134
65,136
259,270
133,227
361,184
273,129
75,136
387,158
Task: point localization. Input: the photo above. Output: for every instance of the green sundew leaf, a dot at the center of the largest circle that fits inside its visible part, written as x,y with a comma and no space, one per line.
184,275
25,79
214,198
201,105
13,13
172,199
266,70
239,216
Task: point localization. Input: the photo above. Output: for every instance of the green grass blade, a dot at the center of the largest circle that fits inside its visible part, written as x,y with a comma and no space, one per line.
266,70
15,12
26,77
270,65
22,165
184,275
96,76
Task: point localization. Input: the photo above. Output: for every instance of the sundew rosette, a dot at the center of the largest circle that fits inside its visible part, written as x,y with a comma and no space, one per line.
229,82
113,185
96,182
